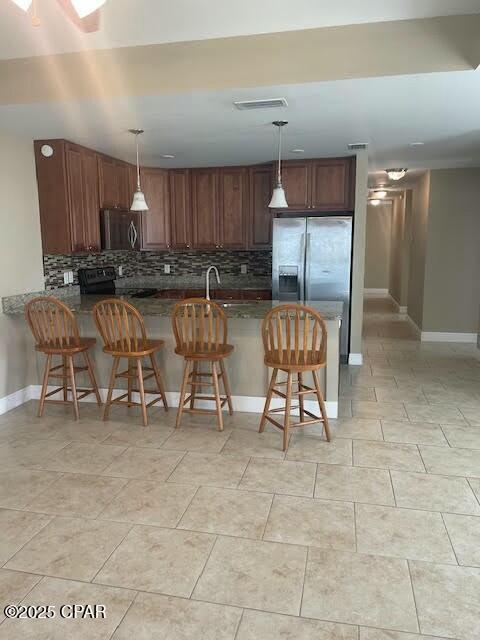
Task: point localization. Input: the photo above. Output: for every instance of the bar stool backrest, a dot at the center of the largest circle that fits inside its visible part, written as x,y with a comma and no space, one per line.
121,326
294,334
199,325
52,323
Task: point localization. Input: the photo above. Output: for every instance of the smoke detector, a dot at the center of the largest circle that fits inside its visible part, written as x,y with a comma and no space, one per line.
271,103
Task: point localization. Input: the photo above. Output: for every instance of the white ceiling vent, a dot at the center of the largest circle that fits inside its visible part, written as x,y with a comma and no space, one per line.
356,146
272,103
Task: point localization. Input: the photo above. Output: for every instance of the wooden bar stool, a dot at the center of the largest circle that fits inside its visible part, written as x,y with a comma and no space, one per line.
200,328
123,333
294,339
55,330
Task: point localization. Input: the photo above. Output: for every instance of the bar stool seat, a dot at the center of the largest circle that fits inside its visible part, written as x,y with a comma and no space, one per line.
147,348
55,330
200,329
83,345
295,340
124,336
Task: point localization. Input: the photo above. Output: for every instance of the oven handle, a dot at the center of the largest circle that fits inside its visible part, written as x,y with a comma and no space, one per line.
135,235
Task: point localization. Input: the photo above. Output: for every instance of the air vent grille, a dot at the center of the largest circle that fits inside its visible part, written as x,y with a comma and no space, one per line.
272,103
355,146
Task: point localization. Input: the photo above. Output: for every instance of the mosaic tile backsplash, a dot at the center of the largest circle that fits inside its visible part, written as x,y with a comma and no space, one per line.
151,263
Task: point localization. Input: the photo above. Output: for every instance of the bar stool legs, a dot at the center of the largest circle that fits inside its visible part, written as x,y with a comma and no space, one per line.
196,379
302,391
136,371
67,372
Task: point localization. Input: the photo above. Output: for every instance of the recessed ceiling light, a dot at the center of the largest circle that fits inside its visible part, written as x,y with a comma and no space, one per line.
375,202
168,156
416,144
380,194
297,150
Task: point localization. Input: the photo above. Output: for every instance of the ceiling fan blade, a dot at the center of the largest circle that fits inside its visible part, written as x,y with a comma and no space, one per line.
88,24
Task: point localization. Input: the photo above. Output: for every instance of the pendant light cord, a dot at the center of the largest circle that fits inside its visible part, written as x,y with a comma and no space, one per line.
138,165
279,173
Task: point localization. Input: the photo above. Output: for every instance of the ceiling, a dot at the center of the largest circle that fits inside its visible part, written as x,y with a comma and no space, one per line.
203,128
140,22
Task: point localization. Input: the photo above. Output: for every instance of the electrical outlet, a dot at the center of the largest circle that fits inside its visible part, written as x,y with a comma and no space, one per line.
70,277
120,270
65,277
243,268
166,268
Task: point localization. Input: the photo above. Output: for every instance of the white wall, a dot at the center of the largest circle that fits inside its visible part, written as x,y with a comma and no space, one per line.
21,267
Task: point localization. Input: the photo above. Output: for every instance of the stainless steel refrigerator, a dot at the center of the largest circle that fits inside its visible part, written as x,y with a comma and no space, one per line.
311,260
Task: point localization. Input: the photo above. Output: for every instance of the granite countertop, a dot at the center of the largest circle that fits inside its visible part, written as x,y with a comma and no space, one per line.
83,304
193,282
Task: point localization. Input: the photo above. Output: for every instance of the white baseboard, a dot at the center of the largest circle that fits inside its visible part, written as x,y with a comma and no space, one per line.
414,325
15,399
439,336
355,359
248,404
376,292
400,309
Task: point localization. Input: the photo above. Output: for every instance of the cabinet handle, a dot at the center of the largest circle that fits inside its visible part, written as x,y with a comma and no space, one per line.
188,246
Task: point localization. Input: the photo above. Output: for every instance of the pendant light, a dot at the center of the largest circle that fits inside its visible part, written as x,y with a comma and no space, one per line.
278,200
138,203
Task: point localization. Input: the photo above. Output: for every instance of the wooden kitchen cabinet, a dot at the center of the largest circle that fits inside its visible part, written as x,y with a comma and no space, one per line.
296,180
260,215
332,184
321,185
204,192
114,180
180,209
155,221
233,207
68,197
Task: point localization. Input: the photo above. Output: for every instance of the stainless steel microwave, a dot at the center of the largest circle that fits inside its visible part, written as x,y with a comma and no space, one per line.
120,229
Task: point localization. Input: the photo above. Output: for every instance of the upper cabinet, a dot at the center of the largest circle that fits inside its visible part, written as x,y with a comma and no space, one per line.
155,221
180,209
204,191
68,197
233,207
322,185
261,216
114,180
204,208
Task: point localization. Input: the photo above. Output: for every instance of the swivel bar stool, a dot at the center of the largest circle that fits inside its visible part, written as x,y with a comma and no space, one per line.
200,329
294,340
123,333
55,330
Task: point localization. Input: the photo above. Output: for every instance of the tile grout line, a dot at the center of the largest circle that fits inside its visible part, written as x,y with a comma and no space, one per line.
113,551
204,567
134,600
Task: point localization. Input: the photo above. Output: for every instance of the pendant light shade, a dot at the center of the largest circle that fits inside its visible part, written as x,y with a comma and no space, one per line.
279,200
138,203
86,7
23,4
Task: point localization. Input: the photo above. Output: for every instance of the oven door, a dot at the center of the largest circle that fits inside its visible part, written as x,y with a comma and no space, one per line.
120,229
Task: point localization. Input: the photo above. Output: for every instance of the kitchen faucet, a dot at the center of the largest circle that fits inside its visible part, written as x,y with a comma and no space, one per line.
207,280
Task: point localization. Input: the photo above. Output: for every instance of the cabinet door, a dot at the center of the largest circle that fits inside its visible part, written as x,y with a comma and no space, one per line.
233,194
205,208
296,183
180,209
109,187
123,180
73,159
90,200
260,219
155,221
332,184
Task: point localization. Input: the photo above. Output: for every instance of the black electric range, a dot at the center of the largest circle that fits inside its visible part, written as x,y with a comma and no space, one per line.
101,281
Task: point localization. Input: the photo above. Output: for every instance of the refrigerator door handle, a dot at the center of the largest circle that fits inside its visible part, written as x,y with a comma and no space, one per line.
307,267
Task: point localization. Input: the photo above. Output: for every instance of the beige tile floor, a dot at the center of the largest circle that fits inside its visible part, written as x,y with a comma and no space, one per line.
222,536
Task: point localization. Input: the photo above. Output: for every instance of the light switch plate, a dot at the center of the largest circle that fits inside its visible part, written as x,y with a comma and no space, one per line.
120,270
243,268
65,277
166,268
